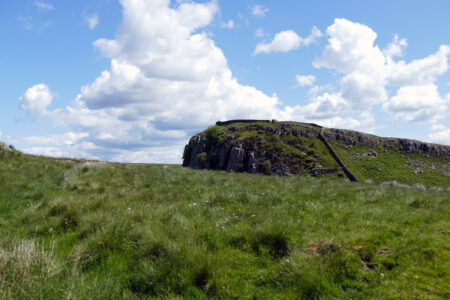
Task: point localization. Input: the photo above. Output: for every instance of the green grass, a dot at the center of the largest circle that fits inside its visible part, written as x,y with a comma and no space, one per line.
395,165
112,231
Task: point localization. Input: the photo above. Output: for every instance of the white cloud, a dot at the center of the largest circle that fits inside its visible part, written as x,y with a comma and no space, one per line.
36,99
167,80
437,127
92,21
367,71
229,24
351,47
351,51
441,135
417,103
396,47
259,10
420,71
286,41
305,80
43,6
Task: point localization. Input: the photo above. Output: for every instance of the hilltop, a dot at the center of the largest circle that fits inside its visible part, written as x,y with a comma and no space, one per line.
288,148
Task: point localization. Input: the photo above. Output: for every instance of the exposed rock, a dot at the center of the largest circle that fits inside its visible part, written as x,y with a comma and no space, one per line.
4,147
235,163
351,138
372,153
286,148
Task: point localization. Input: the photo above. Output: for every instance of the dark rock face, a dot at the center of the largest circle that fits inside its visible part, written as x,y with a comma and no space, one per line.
231,155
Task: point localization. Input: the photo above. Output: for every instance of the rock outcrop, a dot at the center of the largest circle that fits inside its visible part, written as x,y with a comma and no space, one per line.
229,155
257,154
286,148
352,138
4,147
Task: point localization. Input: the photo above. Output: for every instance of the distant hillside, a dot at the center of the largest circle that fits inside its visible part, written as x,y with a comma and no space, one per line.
287,148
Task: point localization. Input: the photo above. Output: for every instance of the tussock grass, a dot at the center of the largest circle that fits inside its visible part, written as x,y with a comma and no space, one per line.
152,231
24,265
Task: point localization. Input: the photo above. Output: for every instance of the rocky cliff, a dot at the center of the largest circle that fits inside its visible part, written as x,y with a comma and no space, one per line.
286,148
254,147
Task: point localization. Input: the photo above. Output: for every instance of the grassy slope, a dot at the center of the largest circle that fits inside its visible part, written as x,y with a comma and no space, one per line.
129,231
394,165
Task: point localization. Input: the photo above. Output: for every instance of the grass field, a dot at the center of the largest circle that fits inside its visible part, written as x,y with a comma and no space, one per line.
92,230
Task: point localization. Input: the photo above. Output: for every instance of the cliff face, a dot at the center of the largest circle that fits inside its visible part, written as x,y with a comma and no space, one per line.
254,147
286,148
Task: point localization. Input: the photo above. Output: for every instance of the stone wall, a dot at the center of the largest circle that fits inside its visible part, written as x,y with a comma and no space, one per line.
336,157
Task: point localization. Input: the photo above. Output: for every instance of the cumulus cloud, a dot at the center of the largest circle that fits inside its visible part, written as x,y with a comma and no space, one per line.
259,10
167,80
440,134
417,103
36,99
420,71
92,21
305,80
286,41
367,71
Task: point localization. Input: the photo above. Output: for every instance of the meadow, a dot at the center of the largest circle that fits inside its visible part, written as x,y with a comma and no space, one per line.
78,229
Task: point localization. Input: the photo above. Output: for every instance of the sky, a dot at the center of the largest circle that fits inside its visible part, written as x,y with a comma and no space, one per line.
133,80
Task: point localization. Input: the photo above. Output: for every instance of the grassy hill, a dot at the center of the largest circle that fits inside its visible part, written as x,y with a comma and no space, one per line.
287,148
94,230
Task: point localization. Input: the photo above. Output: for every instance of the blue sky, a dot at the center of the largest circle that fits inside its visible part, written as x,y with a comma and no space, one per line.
132,80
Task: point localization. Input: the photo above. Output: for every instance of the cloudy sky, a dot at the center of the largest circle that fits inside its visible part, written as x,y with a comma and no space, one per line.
133,80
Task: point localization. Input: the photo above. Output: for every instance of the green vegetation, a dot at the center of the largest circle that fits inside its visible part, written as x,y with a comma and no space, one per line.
301,154
267,167
86,230
407,168
202,158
